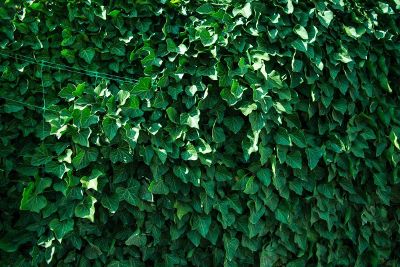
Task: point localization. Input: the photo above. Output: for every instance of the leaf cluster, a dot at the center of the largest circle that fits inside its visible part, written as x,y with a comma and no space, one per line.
257,133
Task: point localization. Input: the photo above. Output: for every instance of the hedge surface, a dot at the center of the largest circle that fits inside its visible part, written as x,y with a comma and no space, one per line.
195,133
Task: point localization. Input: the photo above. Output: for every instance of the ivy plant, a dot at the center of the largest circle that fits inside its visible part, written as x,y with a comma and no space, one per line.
199,133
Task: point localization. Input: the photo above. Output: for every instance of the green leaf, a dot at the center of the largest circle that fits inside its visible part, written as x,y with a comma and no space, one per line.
83,118
300,45
234,123
41,184
81,137
124,263
143,86
190,153
172,114
160,101
110,128
325,17
67,92
248,108
289,8
162,154
218,135
340,105
84,158
297,65
79,90
182,209
130,135
294,160
110,202
354,32
228,96
158,187
118,49
61,228
278,180
298,138
394,137
191,119
69,55
121,154
87,54
90,182
114,13
154,128
231,244
245,11
204,148
206,38
205,9
123,96
343,56
181,172
4,13
236,89
264,175
58,169
41,156
136,239
147,153
85,209
251,186
265,153
201,224
301,31
31,201
257,121
313,155
171,46
282,137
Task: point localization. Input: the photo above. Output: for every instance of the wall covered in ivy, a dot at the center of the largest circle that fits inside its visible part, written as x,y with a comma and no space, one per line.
199,133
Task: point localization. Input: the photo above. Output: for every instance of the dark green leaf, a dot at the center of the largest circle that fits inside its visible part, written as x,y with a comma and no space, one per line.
313,155
87,54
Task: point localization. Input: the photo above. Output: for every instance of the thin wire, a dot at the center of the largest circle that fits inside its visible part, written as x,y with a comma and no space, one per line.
66,67
71,69
28,105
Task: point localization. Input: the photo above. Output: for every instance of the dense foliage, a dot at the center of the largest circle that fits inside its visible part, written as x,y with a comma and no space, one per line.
183,132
